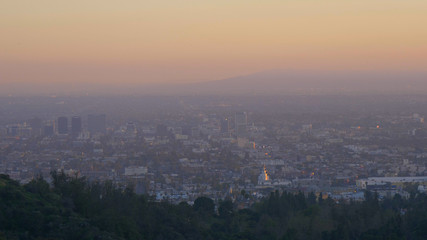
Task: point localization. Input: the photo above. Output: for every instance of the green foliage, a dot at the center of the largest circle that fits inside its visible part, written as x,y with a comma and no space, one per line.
204,206
75,209
225,209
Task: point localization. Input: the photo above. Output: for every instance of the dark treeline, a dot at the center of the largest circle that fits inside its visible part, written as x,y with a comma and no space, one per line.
75,209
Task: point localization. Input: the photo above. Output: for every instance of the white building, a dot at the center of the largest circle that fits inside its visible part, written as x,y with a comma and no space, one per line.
383,181
135,171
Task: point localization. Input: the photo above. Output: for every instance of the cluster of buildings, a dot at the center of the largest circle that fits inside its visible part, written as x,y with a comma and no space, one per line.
242,155
61,126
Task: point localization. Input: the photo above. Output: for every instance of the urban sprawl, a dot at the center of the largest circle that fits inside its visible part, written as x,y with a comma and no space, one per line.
221,152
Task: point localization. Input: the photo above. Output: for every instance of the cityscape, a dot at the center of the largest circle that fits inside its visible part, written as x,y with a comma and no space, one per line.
213,120
216,148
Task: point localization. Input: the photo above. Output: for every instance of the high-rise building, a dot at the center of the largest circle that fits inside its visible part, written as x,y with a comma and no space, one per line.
76,125
36,126
48,130
96,123
240,123
225,125
62,125
13,130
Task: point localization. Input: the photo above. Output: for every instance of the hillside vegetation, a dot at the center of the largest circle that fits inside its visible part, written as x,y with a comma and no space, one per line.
75,209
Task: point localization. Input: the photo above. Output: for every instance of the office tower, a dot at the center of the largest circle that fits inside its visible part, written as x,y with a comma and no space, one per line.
62,125
240,124
13,130
36,126
96,123
48,130
76,125
225,125
307,128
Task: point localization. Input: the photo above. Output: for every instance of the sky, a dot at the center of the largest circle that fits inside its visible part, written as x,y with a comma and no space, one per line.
177,41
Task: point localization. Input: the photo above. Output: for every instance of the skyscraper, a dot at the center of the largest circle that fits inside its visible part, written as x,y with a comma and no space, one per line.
240,124
48,130
96,123
76,125
225,125
36,125
62,125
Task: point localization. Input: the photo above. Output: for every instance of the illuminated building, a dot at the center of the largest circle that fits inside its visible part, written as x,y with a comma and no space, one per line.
264,177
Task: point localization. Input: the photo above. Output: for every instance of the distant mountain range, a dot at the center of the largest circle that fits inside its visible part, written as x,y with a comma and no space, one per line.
306,82
271,82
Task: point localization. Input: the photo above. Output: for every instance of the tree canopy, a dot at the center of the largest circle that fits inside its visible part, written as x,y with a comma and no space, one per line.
73,208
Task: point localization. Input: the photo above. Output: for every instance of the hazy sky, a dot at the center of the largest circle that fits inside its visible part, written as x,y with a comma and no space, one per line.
146,41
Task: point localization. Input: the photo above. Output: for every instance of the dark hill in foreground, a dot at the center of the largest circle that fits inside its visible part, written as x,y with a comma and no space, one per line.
75,209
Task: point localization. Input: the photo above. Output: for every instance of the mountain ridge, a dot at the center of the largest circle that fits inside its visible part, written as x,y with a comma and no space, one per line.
270,82
312,82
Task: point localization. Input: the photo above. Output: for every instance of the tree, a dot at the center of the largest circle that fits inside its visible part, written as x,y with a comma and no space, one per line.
311,198
204,205
225,209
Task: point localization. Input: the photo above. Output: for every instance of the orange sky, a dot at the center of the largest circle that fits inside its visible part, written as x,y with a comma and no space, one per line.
193,40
